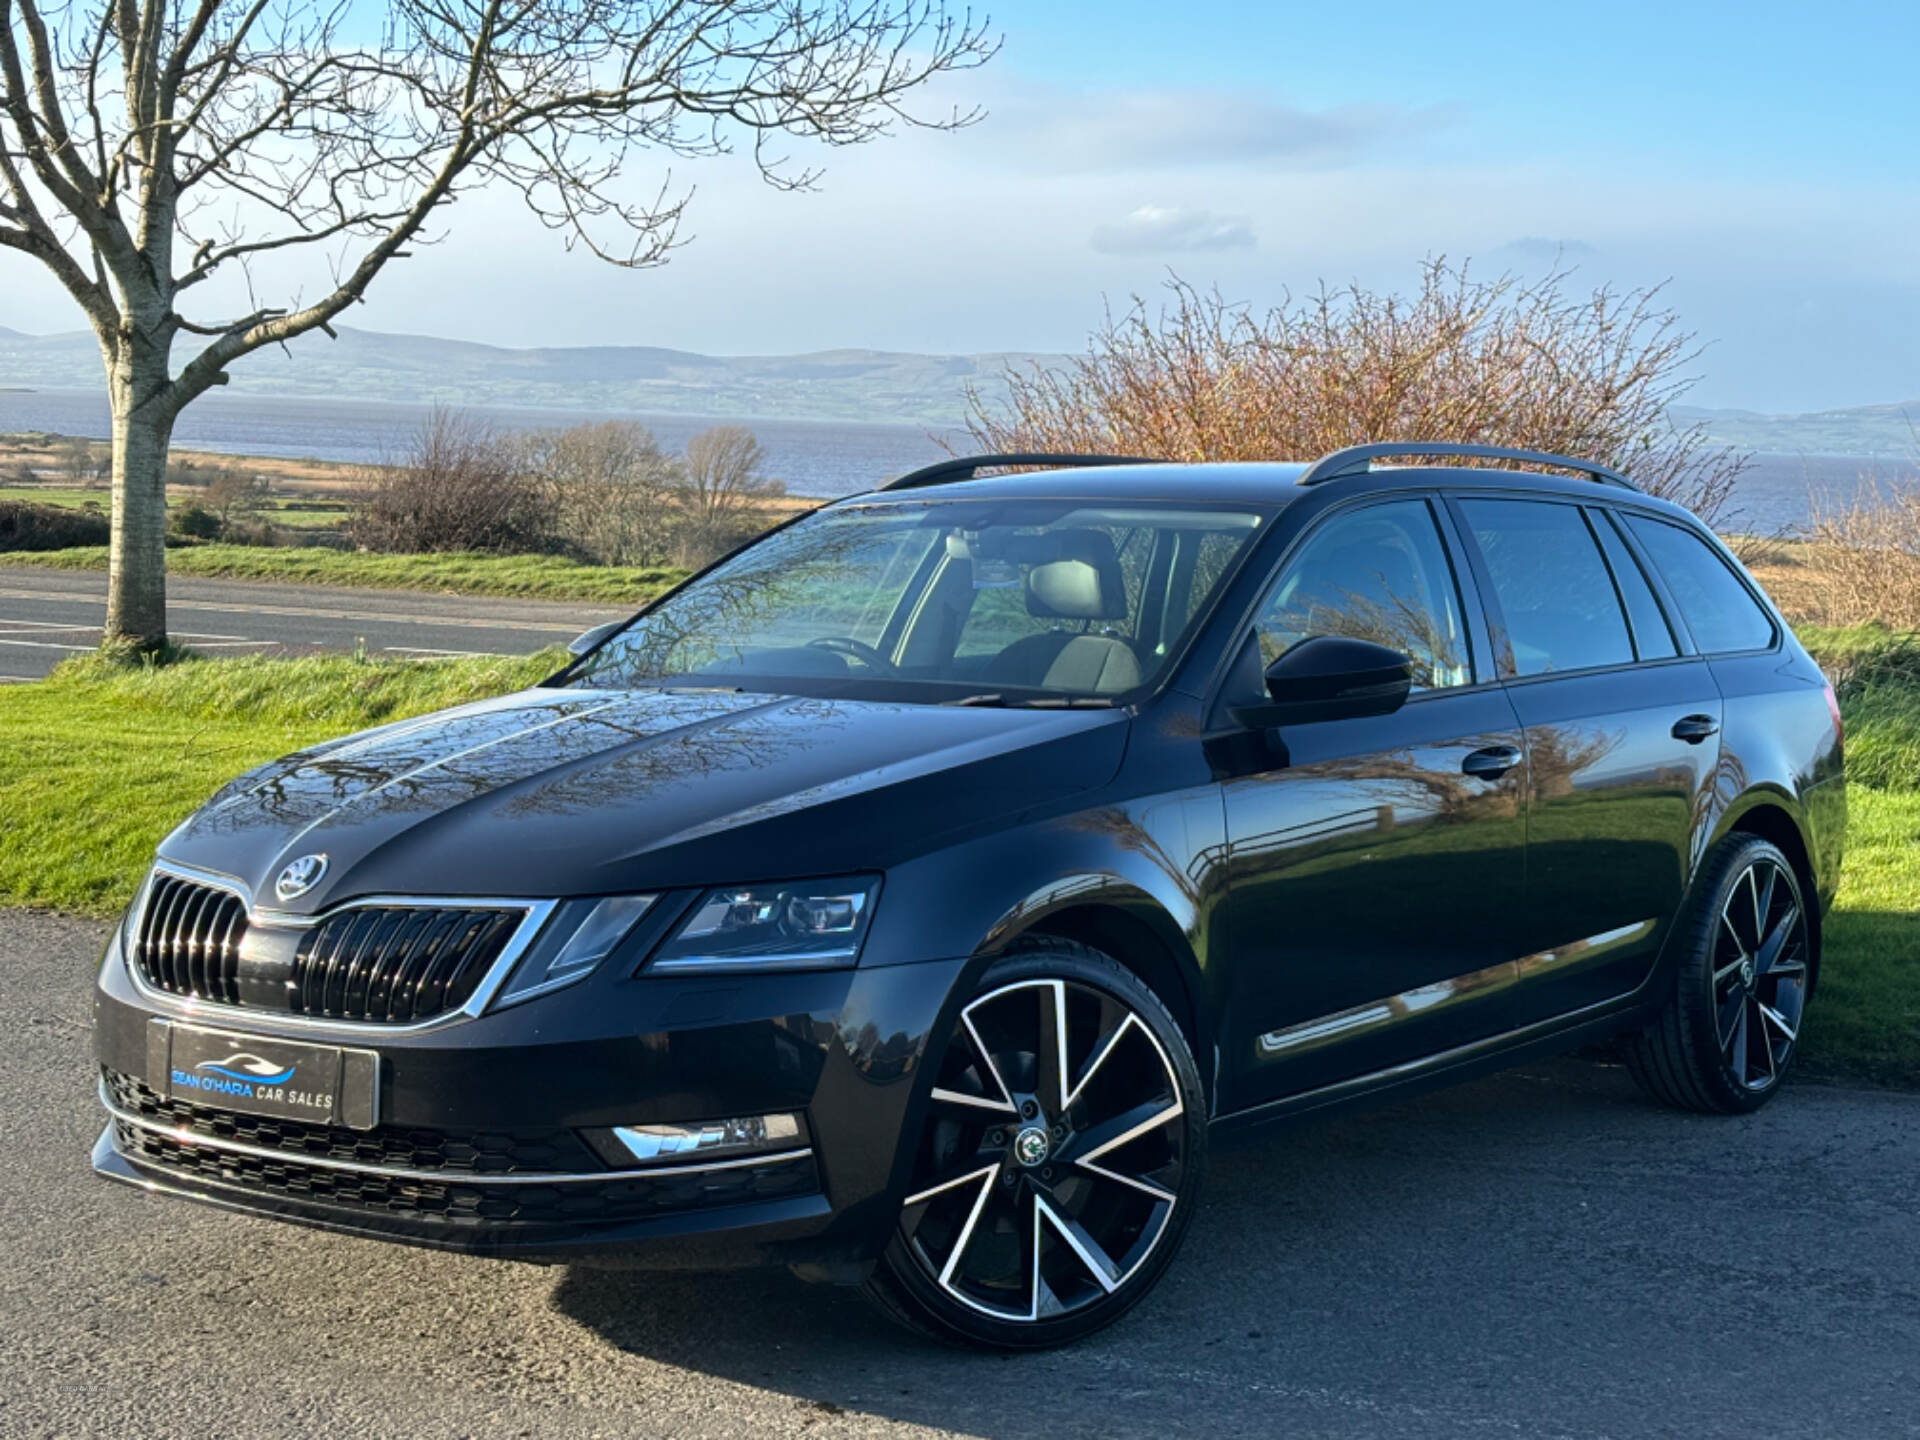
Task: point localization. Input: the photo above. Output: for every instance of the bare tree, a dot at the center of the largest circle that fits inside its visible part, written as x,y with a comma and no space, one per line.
459,485
612,490
148,145
231,493
724,489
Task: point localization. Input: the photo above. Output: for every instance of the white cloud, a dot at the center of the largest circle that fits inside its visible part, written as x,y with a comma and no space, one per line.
1169,230
1131,130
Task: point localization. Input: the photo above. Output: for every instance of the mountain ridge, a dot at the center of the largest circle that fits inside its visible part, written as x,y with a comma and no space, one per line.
847,384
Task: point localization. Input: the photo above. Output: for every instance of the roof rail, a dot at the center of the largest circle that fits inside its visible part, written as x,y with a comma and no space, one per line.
964,467
1358,459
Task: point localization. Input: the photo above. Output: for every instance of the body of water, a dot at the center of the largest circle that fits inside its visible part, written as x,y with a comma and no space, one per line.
813,457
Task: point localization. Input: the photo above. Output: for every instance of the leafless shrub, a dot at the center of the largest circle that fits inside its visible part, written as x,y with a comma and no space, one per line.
1503,362
1863,557
613,493
723,493
458,487
78,462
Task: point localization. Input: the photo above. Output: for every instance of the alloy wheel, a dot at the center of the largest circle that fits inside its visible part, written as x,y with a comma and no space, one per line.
1053,1156
1759,974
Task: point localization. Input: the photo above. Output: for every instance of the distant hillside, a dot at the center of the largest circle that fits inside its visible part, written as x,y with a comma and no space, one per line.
851,385
869,385
1889,432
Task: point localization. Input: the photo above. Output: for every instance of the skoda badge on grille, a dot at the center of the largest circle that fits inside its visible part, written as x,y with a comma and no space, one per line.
299,877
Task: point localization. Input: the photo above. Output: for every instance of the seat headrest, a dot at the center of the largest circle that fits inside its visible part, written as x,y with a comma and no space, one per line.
1082,580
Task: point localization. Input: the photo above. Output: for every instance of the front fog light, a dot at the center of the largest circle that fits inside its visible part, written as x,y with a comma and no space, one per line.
625,1145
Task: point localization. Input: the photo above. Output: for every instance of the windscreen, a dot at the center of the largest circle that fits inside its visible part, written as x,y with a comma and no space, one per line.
1008,601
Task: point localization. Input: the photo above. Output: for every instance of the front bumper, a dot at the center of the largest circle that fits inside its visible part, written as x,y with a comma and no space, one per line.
478,1142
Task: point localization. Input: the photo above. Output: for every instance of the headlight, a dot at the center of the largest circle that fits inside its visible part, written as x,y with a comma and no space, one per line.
584,933
808,925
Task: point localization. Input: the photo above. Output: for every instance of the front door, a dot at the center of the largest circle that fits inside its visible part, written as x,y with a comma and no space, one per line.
1376,865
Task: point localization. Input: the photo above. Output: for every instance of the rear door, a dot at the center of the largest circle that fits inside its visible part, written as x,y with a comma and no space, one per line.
1622,735
1376,865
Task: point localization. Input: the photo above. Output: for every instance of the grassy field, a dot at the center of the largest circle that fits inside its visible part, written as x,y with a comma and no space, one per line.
102,760
293,513
545,577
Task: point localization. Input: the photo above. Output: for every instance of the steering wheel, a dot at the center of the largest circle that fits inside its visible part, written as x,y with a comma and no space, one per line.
859,650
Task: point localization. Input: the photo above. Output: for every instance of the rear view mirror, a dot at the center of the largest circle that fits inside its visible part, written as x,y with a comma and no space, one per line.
1331,677
581,644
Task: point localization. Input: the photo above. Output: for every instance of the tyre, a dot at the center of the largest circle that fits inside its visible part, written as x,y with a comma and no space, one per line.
1059,1160
1725,1037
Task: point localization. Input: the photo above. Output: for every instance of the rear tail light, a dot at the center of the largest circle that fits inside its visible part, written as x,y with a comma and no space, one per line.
1833,709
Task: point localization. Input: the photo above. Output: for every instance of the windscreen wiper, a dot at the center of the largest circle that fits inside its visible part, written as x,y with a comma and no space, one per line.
1037,702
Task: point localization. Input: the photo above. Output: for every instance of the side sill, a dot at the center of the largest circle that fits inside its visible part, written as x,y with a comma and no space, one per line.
1495,1052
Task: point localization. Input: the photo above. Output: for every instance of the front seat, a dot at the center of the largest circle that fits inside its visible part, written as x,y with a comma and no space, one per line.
1082,582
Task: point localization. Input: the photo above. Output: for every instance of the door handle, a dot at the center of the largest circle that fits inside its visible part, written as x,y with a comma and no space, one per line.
1695,728
1492,762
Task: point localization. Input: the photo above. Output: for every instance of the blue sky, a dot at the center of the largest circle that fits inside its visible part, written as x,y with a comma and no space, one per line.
1762,159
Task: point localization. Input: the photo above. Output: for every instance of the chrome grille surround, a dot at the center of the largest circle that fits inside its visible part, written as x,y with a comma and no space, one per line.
217,1010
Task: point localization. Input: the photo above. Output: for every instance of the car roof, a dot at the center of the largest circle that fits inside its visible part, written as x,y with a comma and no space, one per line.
1267,484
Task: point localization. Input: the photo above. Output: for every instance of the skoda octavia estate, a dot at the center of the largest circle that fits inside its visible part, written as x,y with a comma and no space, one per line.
908,898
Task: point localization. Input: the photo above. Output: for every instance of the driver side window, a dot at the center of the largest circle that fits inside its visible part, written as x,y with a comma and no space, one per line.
1379,573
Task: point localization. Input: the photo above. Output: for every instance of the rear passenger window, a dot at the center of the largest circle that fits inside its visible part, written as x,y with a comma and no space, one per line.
1719,610
1554,590
1652,636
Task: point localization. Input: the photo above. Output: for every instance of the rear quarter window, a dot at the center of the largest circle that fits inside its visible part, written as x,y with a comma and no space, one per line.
1716,604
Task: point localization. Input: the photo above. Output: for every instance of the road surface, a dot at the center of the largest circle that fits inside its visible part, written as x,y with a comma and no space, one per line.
46,615
1538,1255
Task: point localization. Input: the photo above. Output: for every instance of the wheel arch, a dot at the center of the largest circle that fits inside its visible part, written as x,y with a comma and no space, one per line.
1136,930
1769,817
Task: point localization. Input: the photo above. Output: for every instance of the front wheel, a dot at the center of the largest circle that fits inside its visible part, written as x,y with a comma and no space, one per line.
1724,1039
1059,1159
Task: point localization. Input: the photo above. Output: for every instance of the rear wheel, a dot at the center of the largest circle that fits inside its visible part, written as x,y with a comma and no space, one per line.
1059,1159
1727,1034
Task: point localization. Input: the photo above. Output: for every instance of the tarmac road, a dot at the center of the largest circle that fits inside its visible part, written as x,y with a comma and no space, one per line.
1538,1255
46,615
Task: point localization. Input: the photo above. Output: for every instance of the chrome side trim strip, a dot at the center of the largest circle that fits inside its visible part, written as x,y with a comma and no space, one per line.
1444,994
276,1022
182,1136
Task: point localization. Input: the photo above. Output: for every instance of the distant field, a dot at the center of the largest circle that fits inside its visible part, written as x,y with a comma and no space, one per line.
546,577
291,512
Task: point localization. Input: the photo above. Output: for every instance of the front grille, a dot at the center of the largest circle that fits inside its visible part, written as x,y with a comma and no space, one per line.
189,940
397,963
463,1200
459,1152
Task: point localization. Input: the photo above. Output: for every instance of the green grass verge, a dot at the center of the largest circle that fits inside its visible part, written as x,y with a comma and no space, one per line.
1865,1021
545,577
102,759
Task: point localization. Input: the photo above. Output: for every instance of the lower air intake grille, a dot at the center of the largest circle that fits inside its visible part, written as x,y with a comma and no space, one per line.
189,940
397,963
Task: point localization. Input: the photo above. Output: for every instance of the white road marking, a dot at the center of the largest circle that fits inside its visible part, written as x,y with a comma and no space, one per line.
45,645
423,652
311,612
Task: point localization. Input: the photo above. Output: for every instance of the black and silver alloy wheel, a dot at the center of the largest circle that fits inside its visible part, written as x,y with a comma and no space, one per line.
1760,973
1057,1164
1727,1033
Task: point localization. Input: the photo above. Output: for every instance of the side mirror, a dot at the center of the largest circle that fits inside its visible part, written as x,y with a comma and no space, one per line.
1331,677
581,644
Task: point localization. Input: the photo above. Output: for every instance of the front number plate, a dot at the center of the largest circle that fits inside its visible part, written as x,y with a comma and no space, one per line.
288,1079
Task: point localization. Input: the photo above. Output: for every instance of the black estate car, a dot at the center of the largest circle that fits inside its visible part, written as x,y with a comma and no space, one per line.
908,897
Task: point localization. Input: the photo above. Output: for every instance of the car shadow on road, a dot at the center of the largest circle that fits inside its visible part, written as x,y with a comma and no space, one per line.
1319,1251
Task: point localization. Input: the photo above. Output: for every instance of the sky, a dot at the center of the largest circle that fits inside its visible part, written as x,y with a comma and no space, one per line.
1761,160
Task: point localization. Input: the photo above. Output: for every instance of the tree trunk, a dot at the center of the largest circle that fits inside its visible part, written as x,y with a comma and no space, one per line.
137,385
